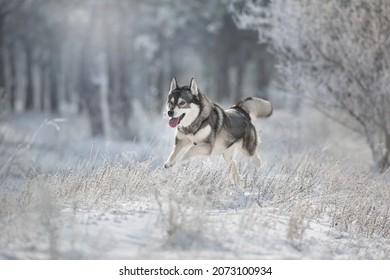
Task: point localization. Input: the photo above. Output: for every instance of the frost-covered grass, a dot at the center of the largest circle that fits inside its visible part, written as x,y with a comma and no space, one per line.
308,201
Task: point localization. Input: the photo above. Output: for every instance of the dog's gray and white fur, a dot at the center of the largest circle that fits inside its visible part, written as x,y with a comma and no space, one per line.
204,128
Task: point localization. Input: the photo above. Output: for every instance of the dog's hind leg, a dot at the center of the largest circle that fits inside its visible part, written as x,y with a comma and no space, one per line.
228,155
256,160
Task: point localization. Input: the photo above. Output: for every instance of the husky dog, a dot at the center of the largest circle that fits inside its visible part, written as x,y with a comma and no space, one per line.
204,128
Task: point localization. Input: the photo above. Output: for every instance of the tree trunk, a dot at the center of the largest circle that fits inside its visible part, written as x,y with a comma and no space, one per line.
20,79
46,96
12,87
240,81
118,73
93,78
29,73
90,97
54,68
223,81
385,160
8,75
37,86
94,111
2,70
103,94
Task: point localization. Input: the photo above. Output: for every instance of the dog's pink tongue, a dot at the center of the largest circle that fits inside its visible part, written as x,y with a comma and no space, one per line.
173,122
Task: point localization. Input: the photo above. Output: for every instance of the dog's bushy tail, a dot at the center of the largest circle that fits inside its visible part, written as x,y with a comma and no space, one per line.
256,107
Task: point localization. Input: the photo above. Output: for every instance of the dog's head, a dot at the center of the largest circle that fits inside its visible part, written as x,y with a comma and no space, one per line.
182,104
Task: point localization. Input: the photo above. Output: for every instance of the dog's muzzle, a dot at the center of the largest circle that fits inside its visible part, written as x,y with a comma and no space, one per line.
170,113
173,122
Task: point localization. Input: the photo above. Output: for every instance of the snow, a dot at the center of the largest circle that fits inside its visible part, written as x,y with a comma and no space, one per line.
67,196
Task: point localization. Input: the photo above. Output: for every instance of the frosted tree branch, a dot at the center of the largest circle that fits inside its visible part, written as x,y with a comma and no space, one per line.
335,52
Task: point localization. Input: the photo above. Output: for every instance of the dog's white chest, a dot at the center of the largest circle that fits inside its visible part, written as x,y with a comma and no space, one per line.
199,136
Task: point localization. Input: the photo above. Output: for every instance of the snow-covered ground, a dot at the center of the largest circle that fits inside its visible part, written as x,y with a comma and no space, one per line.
64,195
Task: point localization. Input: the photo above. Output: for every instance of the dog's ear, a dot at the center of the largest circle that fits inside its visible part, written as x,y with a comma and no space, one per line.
173,84
193,87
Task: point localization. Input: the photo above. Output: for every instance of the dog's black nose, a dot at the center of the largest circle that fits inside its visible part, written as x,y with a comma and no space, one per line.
170,113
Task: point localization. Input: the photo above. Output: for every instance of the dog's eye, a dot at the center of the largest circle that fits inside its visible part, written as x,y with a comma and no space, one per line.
182,103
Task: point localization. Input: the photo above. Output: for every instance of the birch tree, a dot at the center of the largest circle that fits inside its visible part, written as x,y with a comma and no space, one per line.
338,54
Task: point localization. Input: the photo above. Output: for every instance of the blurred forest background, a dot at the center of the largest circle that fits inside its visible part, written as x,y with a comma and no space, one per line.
101,57
112,60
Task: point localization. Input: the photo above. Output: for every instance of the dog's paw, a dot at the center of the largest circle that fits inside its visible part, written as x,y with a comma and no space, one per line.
168,164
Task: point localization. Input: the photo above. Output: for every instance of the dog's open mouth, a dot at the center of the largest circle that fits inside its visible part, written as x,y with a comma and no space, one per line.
173,122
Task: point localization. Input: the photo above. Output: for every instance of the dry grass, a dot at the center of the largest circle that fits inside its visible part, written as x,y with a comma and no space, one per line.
311,190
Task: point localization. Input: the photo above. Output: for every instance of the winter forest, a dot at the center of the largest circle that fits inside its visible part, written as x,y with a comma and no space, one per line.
98,57
84,130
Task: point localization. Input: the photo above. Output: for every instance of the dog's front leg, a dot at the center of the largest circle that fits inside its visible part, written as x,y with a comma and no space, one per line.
203,149
181,147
